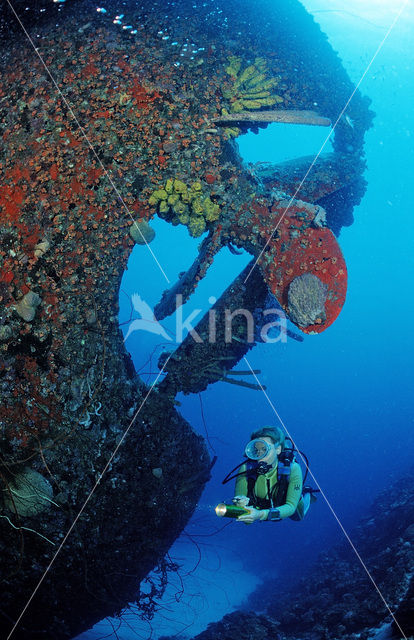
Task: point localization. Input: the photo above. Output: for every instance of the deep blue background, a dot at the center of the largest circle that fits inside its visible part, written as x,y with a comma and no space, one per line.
344,395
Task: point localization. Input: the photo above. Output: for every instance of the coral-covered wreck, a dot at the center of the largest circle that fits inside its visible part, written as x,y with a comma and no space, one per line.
104,125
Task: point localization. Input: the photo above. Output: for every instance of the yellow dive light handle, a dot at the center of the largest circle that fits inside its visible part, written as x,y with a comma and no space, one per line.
230,510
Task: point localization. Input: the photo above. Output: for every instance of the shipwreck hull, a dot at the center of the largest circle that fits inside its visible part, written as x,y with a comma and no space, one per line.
83,147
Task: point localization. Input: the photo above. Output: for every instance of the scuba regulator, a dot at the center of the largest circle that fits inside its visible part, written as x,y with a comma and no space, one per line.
255,466
255,451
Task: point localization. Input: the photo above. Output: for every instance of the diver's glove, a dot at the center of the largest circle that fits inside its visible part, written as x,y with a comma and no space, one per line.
253,515
241,501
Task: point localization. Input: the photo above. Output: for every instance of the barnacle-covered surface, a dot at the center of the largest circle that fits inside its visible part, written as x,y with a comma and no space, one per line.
222,338
335,182
83,146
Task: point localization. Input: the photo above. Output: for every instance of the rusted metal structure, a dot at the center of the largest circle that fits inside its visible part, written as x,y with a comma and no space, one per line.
94,122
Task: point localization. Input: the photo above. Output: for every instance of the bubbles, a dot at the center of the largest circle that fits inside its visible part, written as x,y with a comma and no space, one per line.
171,28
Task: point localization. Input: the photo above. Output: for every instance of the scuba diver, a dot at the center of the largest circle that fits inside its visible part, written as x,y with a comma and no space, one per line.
269,485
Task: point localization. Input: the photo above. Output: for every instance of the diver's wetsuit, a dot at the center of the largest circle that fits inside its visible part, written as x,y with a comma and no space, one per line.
295,506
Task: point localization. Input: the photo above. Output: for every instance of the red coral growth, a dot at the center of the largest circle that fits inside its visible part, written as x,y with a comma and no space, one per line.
6,276
12,194
30,239
90,70
76,186
6,273
54,172
93,174
141,96
103,114
19,173
296,247
123,64
99,215
314,251
143,211
11,199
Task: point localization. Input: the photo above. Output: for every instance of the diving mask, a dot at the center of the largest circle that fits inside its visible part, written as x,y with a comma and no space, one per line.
257,449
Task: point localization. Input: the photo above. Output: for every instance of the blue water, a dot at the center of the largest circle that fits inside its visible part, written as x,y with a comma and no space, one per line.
344,395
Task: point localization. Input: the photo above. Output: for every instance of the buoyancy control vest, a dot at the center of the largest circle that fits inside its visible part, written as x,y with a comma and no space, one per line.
276,494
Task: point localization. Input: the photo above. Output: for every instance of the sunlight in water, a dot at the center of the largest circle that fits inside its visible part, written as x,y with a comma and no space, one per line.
377,13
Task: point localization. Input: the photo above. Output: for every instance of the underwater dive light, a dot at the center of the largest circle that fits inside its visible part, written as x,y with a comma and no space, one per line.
230,510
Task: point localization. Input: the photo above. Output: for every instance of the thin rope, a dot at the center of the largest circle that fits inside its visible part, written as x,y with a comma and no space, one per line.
27,529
